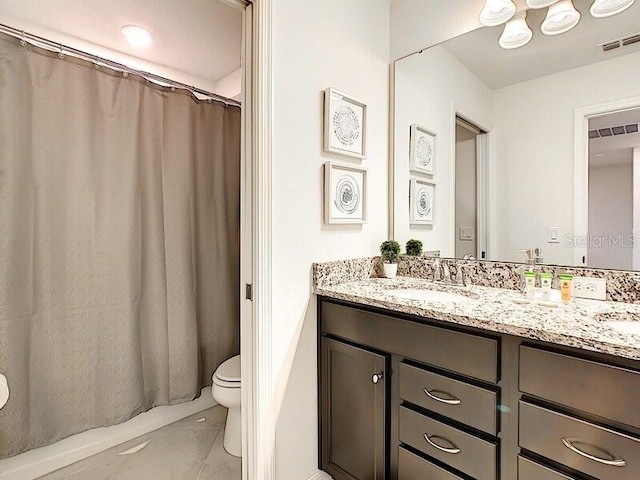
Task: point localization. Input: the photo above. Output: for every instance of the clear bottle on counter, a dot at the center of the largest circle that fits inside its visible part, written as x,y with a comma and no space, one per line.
545,284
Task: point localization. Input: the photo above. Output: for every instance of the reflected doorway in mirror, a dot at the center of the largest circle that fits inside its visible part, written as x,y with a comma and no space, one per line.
422,199
422,145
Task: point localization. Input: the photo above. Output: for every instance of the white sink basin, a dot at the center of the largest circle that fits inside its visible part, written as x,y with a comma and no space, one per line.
622,321
429,295
626,327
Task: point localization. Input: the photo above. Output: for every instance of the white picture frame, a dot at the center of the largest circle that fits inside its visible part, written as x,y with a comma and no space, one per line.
422,202
422,150
345,194
345,124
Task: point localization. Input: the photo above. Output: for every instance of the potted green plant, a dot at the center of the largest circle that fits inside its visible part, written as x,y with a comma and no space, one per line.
414,247
390,252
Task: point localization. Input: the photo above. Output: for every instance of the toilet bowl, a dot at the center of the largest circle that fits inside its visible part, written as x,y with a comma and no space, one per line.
225,390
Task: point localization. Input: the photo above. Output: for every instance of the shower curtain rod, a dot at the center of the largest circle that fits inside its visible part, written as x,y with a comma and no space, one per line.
98,61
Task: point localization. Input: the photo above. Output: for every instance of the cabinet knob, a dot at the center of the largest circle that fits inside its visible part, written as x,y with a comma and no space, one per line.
377,377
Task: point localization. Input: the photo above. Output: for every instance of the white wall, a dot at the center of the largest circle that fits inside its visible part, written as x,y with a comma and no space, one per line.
418,24
430,88
611,214
534,151
230,86
338,44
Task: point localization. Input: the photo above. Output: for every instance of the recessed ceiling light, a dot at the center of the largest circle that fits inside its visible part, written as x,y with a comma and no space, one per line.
496,12
606,8
137,36
561,18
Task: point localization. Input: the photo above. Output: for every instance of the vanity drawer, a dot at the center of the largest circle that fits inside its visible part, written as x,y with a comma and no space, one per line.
468,404
413,467
528,470
464,452
472,355
574,382
546,433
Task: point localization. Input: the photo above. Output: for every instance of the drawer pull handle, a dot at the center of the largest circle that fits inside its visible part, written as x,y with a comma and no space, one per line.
449,401
614,462
453,450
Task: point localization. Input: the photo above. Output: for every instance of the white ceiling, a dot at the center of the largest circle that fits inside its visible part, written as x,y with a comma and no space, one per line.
201,38
616,149
544,55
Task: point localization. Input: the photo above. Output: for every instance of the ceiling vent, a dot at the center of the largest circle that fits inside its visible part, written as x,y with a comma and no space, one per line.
617,130
611,45
621,42
631,40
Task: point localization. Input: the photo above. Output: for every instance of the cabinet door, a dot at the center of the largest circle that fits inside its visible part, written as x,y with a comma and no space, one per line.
353,411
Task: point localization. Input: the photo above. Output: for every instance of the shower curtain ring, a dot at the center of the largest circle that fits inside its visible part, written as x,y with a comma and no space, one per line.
23,42
61,54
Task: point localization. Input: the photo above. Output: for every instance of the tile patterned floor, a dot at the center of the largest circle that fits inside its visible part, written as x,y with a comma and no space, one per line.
185,450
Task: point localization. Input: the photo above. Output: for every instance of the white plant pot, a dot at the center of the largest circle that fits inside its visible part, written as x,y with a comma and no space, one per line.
390,269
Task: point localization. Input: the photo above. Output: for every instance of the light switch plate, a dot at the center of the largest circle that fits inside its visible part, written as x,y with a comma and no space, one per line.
466,234
552,235
593,288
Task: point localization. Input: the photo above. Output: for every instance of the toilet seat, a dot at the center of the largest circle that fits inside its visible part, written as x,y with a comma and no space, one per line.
229,370
224,383
228,373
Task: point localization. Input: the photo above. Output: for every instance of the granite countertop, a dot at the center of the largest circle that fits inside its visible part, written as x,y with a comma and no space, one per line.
574,325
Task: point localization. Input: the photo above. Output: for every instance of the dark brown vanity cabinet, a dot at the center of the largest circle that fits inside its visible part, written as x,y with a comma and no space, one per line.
353,390
401,399
406,398
581,414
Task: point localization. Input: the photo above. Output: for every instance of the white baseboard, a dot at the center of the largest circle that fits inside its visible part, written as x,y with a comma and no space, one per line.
40,461
321,475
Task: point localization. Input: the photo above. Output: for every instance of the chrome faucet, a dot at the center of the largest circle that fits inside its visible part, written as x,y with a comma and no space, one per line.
442,273
437,270
446,272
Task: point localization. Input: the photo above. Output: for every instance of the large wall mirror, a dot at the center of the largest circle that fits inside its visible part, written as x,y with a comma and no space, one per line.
497,150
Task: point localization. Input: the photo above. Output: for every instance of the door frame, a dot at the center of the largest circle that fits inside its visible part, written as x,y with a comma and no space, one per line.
483,166
258,422
581,168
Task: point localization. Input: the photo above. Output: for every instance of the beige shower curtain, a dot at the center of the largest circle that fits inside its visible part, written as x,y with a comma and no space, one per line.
119,245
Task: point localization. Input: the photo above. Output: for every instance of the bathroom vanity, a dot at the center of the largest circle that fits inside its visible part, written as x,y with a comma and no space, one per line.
474,389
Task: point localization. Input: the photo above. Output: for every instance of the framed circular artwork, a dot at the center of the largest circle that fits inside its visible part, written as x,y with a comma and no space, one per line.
421,202
345,194
422,146
345,122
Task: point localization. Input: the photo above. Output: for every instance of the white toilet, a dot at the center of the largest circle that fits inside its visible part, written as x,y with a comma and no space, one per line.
226,391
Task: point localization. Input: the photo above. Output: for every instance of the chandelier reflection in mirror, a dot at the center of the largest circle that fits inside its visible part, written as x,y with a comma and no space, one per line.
561,17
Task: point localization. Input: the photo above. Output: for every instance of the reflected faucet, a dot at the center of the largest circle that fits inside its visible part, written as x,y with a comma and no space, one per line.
534,255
